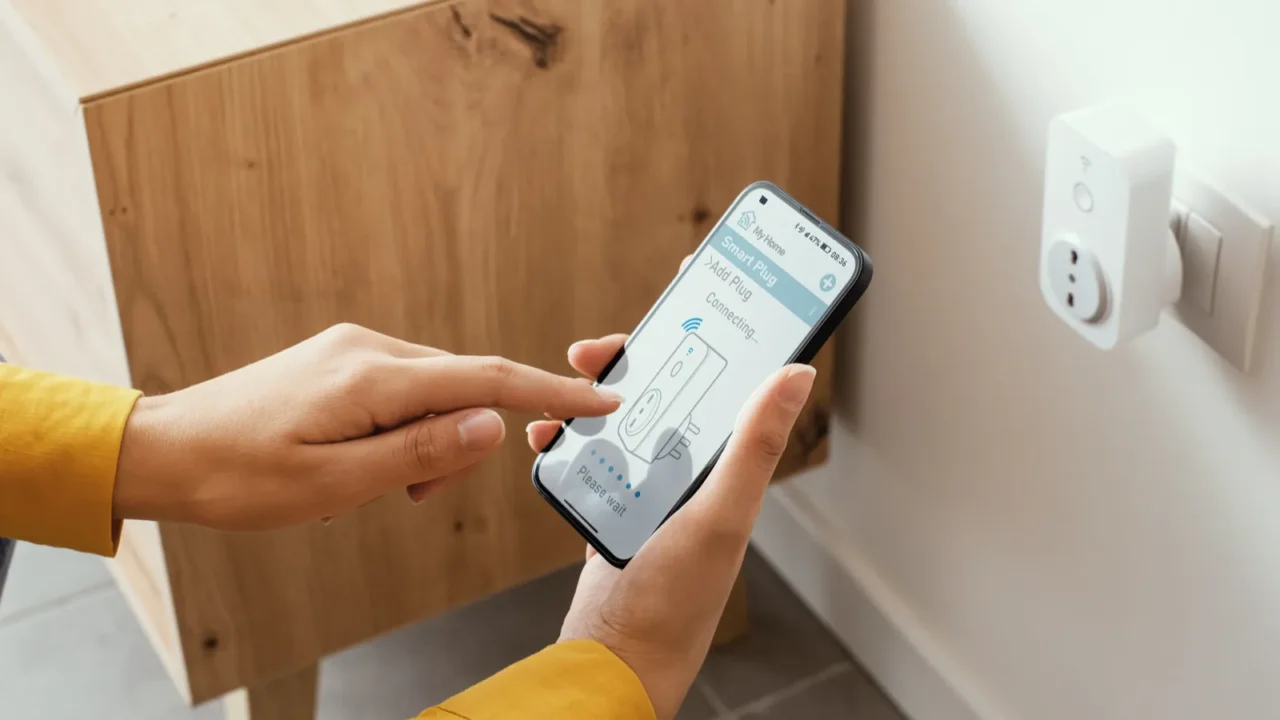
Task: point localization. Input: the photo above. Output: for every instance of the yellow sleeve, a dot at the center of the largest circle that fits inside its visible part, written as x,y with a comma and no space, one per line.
576,679
59,444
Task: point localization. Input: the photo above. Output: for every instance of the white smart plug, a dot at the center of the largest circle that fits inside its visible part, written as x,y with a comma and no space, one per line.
1109,263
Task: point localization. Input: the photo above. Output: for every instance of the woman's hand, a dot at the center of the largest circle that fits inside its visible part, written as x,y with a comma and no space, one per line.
660,613
324,427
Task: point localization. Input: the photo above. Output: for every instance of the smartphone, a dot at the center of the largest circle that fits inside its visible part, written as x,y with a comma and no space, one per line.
765,289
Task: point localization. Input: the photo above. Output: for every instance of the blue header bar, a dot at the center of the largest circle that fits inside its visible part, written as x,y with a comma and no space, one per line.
772,279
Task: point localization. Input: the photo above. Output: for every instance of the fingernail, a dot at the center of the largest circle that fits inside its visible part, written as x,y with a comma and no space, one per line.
796,388
529,428
608,394
481,430
418,493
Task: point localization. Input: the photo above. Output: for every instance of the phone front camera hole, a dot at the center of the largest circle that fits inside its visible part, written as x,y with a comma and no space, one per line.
764,200
1071,300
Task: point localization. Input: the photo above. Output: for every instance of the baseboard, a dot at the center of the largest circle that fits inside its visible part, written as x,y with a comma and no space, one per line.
842,589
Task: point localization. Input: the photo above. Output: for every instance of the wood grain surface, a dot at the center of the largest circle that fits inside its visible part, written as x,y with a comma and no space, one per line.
489,177
291,697
105,46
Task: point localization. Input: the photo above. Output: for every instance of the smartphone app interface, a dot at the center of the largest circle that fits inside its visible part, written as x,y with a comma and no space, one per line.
747,301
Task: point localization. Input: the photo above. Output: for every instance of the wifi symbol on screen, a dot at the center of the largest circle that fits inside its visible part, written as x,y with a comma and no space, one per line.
692,324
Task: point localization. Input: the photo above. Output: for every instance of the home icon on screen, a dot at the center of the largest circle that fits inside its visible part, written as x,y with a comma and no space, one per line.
746,220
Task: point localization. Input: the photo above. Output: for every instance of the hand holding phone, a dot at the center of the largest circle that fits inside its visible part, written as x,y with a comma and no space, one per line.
659,614
765,289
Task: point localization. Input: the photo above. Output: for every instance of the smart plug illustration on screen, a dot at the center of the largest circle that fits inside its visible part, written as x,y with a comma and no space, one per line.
766,288
658,422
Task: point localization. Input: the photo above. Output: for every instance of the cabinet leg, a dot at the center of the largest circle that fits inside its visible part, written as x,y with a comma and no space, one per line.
734,622
292,697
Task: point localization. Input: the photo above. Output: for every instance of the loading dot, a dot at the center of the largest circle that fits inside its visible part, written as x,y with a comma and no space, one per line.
610,468
593,452
619,477
637,493
628,486
601,461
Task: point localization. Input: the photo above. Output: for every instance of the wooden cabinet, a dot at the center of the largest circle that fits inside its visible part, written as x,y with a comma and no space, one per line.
187,187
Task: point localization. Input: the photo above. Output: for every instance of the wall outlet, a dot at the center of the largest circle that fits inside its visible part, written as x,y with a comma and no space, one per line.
1076,279
1224,248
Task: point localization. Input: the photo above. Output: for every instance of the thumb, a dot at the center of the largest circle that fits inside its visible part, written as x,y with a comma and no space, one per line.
735,490
422,451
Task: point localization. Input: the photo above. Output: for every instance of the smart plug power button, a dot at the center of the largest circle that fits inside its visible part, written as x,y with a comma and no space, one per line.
1084,198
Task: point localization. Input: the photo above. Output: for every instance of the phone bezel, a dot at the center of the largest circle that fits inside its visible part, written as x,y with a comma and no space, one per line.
808,348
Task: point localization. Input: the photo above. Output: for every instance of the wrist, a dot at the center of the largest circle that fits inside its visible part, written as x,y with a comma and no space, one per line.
145,487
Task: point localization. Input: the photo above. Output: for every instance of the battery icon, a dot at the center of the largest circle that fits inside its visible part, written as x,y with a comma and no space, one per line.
826,247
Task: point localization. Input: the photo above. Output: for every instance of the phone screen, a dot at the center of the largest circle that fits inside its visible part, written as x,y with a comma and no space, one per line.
759,290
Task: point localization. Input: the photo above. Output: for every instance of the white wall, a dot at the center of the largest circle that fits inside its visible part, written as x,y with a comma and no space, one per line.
1059,533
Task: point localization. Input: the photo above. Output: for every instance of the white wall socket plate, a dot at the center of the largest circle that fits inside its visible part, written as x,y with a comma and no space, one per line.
1220,304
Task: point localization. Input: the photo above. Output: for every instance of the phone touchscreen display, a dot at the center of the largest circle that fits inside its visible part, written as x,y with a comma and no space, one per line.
752,295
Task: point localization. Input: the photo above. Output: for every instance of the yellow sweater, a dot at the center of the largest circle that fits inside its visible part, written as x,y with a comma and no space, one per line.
59,444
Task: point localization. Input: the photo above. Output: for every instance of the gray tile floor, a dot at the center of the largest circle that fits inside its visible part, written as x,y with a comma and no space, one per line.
69,647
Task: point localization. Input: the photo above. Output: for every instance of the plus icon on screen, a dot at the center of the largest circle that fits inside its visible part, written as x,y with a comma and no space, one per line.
828,283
